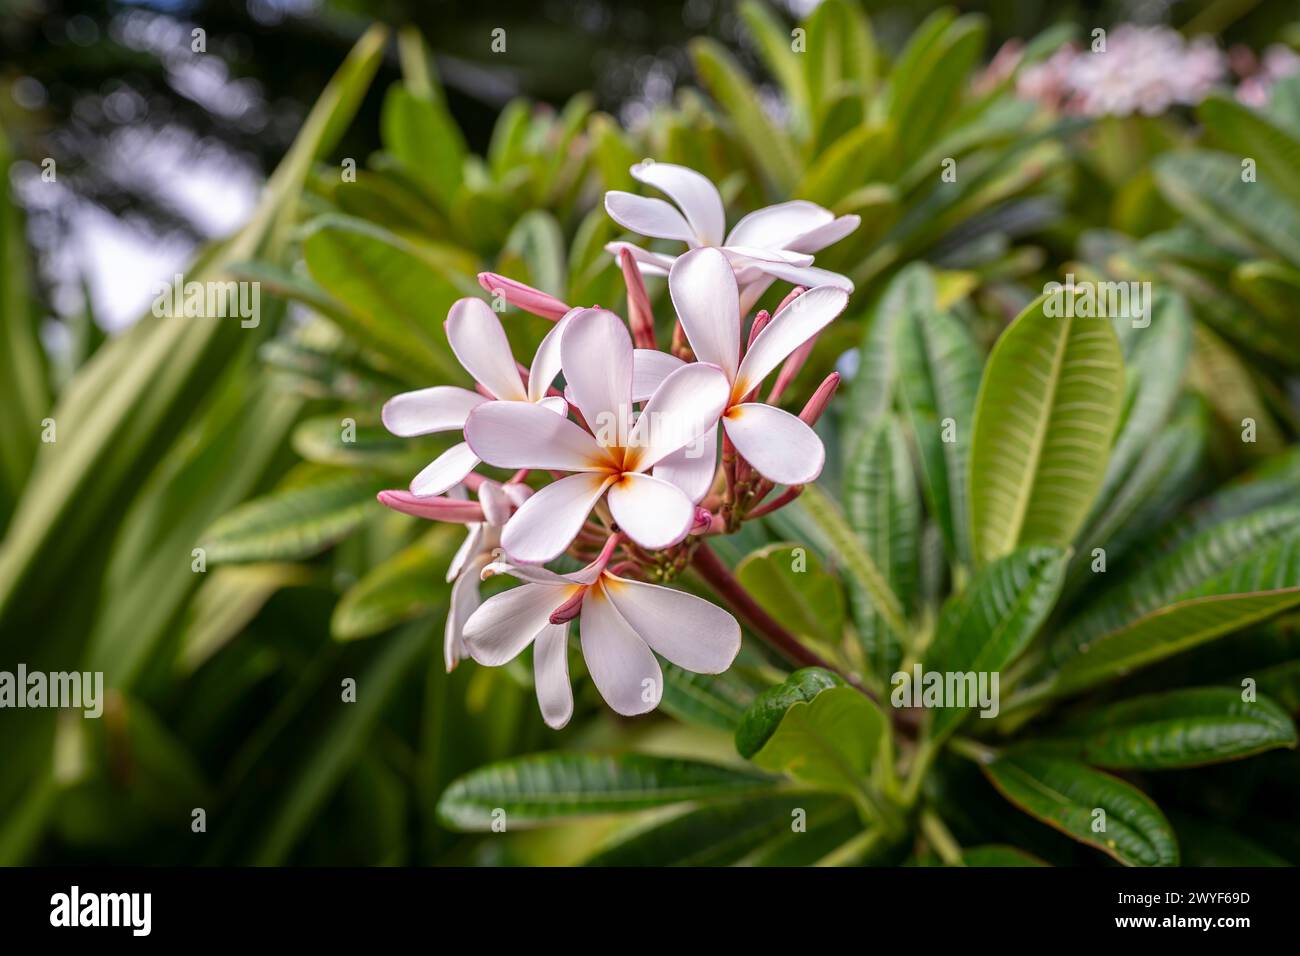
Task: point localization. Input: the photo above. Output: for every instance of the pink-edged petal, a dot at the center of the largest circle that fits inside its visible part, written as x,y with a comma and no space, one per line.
752,290
549,521
775,227
442,408
648,217
554,403
780,446
596,353
650,263
551,675
522,296
652,512
546,361
445,471
496,506
649,369
468,550
807,276
524,435
435,509
507,622
694,194
704,293
623,668
693,467
742,257
682,409
689,631
465,600
790,328
819,238
480,343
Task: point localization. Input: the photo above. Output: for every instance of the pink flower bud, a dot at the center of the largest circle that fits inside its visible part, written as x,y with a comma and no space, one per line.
435,509
523,296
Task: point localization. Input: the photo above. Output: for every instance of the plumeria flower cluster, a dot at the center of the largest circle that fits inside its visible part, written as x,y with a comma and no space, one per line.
624,459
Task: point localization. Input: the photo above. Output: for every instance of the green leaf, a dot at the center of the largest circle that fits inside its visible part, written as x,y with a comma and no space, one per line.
1047,410
929,78
769,148
721,834
769,708
537,244
424,138
938,376
397,291
1181,728
857,564
292,523
791,585
1275,151
1254,589
772,38
409,584
543,788
709,700
834,741
884,509
1255,218
227,600
986,627
1065,795
992,854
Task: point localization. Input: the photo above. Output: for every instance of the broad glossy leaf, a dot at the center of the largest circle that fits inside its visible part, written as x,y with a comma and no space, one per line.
409,584
545,787
939,372
1047,410
1181,728
791,584
292,523
834,741
1252,590
768,709
1065,795
987,626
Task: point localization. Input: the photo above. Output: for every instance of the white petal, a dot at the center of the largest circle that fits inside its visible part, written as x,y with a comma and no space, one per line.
518,492
775,227
752,290
623,668
780,446
694,194
479,341
652,512
464,602
496,506
507,622
469,548
548,521
704,293
807,276
448,469
524,435
546,361
825,235
742,257
693,467
682,409
649,369
691,632
554,403
429,410
649,217
650,263
790,328
551,675
597,357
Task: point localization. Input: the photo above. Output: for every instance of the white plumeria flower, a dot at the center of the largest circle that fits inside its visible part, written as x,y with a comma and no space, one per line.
597,358
771,243
623,624
780,446
480,344
479,549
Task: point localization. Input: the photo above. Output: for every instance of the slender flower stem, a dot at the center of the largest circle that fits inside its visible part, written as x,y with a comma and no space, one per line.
780,501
